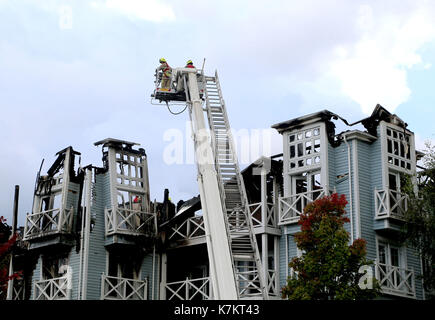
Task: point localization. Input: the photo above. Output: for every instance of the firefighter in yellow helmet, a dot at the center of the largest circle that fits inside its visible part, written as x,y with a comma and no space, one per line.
189,64
166,73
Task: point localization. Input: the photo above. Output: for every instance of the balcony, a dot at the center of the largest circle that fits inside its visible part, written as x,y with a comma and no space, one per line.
257,217
189,289
117,288
291,207
49,222
129,222
390,204
52,289
395,280
190,229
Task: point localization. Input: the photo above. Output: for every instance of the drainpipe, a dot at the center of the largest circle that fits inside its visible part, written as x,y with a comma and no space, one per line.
350,188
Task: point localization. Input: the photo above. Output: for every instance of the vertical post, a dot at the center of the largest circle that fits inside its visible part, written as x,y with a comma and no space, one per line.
264,242
102,287
264,251
275,202
263,197
14,230
164,277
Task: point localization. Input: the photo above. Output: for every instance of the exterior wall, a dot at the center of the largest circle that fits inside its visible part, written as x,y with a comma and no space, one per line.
97,251
147,273
368,173
341,169
370,177
72,198
36,276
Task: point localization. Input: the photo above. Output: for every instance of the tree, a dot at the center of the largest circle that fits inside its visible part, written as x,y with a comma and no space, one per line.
328,268
419,227
5,247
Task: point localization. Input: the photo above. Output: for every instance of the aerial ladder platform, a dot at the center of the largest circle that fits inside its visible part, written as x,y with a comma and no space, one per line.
235,265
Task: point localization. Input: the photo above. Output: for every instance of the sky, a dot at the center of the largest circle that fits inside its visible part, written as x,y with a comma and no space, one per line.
76,72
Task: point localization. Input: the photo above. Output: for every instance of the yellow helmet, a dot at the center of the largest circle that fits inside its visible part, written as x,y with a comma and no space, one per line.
189,62
162,60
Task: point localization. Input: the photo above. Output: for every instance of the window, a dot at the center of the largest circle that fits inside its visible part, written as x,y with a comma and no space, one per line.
304,148
398,149
129,169
52,265
130,200
390,255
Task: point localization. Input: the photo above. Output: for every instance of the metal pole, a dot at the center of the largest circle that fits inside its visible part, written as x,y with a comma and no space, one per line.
14,230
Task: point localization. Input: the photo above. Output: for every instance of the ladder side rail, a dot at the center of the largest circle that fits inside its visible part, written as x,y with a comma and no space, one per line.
219,175
214,145
242,190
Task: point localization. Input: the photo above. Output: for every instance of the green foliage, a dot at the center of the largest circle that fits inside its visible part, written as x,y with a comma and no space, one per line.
419,229
328,268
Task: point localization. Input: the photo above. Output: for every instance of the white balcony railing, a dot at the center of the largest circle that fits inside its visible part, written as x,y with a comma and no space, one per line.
395,280
18,289
390,203
118,288
272,288
189,229
189,289
257,217
291,207
127,221
48,222
52,289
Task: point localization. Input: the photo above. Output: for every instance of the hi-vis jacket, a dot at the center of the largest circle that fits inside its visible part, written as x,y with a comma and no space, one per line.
166,69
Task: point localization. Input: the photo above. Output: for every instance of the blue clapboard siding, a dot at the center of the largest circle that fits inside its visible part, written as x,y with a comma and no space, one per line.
282,261
72,199
292,253
331,164
369,172
147,273
413,262
341,168
97,251
36,276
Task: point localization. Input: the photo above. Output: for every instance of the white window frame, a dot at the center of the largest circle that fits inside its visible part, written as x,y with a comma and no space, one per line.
387,167
403,263
322,166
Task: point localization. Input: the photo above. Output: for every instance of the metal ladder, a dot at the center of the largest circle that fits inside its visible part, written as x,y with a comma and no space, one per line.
246,258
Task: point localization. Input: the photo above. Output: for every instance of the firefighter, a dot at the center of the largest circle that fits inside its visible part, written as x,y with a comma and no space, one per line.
189,64
180,83
166,73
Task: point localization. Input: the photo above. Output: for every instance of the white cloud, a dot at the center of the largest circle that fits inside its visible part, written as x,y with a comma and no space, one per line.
374,68
150,10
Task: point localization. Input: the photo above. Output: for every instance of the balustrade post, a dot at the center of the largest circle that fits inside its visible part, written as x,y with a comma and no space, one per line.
60,220
187,288
102,295
188,222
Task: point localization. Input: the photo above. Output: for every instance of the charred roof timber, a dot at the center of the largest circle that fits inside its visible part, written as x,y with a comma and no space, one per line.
121,145
370,123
